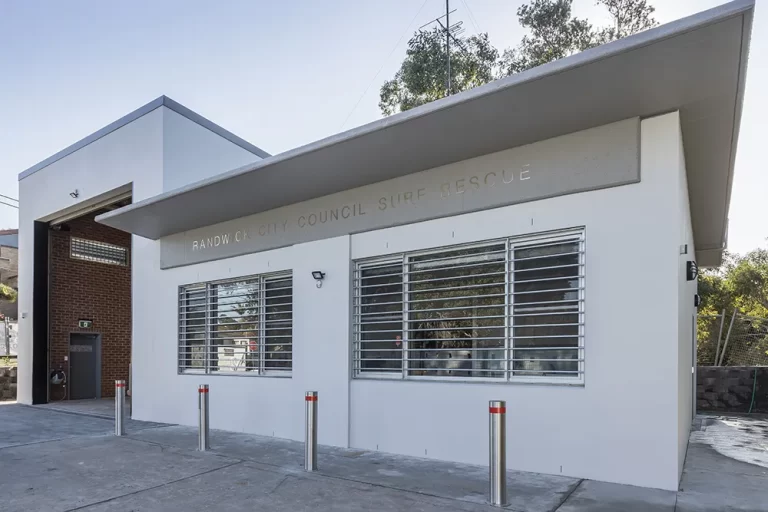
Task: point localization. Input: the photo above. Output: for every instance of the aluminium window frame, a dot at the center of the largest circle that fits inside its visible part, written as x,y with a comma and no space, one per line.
511,244
207,286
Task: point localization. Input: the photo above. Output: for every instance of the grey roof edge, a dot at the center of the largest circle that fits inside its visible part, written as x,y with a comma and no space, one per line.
136,114
746,31
642,39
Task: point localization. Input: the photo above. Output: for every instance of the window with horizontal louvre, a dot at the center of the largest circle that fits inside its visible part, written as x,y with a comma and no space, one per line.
98,252
242,326
509,309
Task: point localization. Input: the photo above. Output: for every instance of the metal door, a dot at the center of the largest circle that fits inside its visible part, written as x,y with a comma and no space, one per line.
84,366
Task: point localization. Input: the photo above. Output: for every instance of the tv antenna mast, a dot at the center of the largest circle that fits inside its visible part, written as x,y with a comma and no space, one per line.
451,31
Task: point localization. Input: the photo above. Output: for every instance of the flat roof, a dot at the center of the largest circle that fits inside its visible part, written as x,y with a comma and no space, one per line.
696,65
162,101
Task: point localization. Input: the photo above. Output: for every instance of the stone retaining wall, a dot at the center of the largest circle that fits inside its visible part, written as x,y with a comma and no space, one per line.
8,383
729,388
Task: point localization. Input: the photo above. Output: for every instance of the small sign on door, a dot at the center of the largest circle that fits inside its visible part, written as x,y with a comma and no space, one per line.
85,324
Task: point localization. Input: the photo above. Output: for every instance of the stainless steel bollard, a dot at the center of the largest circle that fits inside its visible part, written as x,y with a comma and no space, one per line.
119,407
203,432
498,452
310,434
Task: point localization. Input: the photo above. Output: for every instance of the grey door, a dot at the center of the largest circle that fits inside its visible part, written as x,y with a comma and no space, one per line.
84,366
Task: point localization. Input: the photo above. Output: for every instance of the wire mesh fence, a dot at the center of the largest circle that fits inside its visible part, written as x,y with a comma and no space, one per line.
732,339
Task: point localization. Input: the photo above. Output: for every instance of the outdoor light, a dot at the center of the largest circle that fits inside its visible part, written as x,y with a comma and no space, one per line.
319,276
691,270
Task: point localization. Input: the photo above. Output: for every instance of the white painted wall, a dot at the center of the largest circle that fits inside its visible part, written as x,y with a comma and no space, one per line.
686,390
192,152
622,425
132,154
158,150
262,405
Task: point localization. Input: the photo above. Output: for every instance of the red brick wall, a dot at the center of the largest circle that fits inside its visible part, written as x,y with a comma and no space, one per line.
94,291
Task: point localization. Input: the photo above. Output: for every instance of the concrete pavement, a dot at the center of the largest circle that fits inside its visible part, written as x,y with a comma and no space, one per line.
64,461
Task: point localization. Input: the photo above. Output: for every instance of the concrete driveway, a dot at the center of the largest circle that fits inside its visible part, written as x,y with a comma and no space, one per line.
62,460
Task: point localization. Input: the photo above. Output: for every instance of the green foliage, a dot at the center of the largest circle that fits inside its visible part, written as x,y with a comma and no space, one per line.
423,74
740,282
554,33
8,293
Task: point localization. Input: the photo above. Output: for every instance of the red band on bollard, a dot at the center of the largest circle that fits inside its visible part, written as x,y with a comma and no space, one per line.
497,410
202,390
310,398
119,385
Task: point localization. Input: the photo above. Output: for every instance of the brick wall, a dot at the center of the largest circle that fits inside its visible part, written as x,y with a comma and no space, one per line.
94,291
729,388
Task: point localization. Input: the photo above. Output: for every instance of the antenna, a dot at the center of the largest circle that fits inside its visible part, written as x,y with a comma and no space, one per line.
451,31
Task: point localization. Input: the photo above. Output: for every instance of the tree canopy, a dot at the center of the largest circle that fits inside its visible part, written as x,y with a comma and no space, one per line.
740,282
422,76
553,33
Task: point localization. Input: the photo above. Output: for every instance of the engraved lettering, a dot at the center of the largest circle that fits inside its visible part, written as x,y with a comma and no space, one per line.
343,208
526,170
474,182
421,193
383,204
460,186
323,218
409,197
504,177
195,245
492,182
335,214
302,221
445,190
360,209
312,219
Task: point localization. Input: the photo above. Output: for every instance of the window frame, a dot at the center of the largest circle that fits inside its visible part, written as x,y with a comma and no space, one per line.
511,244
209,307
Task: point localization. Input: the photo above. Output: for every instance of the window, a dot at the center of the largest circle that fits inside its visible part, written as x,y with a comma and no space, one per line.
242,326
99,252
511,309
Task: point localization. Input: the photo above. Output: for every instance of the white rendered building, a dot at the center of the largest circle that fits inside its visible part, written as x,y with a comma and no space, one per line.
530,240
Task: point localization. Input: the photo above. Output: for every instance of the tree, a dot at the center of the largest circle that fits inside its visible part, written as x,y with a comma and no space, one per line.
422,75
740,282
554,33
8,293
629,17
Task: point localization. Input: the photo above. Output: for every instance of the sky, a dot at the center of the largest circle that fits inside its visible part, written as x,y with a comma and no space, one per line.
279,74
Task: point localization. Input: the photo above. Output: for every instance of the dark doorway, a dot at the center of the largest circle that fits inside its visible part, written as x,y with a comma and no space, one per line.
84,366
40,314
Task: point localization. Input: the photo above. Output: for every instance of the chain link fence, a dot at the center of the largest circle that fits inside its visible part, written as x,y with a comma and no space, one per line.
732,339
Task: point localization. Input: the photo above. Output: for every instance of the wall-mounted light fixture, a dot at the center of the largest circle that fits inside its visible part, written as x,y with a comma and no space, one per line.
74,194
319,276
691,270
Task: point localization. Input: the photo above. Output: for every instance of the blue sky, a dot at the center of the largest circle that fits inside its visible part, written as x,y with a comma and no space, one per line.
279,74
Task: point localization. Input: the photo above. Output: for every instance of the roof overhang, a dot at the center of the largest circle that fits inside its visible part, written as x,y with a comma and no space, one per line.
696,65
